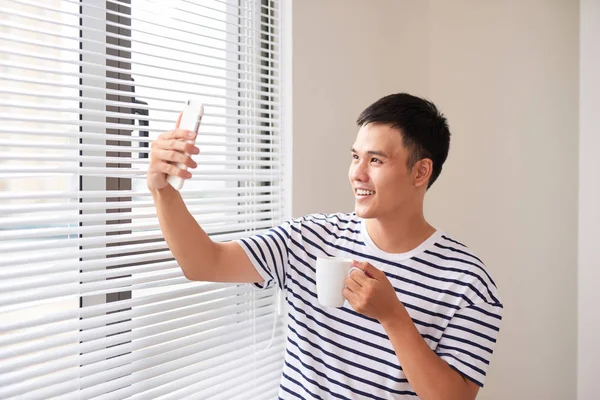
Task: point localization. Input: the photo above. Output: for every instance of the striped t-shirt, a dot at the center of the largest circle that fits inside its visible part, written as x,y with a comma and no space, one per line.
338,353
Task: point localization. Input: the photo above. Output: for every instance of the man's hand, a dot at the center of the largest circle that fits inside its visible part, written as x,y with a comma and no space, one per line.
168,150
371,293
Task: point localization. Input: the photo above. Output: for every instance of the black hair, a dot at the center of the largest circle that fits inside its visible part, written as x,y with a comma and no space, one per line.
424,129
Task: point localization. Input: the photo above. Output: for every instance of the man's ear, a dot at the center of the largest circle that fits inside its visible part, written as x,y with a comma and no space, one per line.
423,170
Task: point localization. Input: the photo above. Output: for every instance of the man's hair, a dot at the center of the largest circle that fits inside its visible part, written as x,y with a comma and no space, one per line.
424,129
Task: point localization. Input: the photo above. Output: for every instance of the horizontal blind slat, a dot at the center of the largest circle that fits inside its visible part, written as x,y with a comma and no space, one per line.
133,204
130,385
105,346
87,109
126,342
69,258
176,334
88,101
252,211
96,316
128,149
149,235
50,386
185,193
143,359
259,388
203,6
269,371
157,79
171,28
143,162
266,220
263,71
130,127
116,92
220,367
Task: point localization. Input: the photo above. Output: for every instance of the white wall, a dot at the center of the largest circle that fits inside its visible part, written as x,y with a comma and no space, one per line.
589,201
506,75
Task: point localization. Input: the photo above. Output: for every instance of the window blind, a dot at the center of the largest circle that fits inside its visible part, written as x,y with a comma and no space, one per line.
92,302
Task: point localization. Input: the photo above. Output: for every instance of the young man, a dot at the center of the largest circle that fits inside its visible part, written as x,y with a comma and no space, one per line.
422,316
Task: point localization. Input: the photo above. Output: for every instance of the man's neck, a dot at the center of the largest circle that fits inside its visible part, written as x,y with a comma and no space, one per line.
401,233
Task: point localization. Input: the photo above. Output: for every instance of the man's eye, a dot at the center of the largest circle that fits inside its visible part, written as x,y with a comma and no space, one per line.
354,156
375,160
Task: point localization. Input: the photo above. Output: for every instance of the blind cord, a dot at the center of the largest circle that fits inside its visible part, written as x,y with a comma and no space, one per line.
276,314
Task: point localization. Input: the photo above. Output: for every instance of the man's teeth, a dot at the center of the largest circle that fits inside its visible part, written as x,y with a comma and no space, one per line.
364,192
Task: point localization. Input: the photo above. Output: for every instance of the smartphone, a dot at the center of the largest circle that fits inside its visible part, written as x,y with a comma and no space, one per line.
190,120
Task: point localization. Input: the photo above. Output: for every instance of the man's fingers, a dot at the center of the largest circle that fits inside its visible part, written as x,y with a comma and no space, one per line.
350,295
178,120
177,134
352,284
175,157
171,169
174,144
359,277
369,270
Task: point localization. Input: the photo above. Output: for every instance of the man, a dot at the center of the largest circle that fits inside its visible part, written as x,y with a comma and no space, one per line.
422,316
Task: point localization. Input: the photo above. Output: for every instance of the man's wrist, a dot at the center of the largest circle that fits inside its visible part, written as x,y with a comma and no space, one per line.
397,318
162,191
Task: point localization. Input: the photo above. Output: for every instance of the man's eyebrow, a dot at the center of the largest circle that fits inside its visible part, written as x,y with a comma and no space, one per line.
373,152
377,153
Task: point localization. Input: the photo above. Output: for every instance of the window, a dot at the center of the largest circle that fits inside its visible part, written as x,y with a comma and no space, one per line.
92,302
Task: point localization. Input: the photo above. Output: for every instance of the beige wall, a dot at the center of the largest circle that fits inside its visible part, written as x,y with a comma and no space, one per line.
507,78
506,75
342,61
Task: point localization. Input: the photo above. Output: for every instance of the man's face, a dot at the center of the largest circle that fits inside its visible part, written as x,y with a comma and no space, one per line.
378,172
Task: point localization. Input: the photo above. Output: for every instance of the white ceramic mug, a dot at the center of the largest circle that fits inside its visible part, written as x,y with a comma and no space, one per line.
331,274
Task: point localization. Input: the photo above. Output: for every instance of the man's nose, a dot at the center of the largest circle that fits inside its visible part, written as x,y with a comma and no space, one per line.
358,172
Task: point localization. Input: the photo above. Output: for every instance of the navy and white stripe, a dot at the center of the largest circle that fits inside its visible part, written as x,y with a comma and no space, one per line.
338,353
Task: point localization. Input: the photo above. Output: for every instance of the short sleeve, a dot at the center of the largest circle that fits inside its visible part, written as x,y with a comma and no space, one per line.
468,342
268,252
